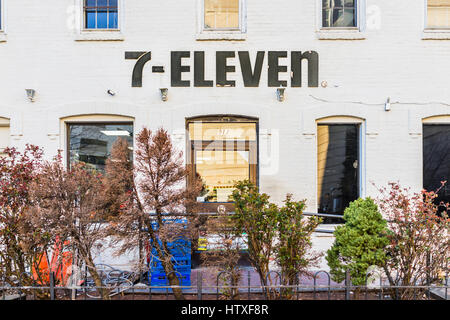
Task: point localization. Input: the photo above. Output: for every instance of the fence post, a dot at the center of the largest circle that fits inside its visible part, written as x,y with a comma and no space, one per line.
347,285
199,284
446,285
52,286
248,283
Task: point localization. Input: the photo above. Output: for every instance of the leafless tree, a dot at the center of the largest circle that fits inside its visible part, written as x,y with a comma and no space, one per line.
68,204
150,190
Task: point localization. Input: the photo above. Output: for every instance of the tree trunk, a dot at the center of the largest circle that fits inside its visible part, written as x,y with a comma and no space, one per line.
97,280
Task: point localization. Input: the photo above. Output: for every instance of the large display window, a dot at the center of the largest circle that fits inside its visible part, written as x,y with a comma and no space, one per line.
222,151
92,142
436,160
338,166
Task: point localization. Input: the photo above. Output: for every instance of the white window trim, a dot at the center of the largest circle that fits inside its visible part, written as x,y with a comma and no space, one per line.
351,33
433,33
99,34
5,123
221,34
3,21
362,150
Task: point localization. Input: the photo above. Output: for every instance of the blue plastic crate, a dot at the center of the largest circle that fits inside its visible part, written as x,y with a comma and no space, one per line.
176,250
177,262
159,279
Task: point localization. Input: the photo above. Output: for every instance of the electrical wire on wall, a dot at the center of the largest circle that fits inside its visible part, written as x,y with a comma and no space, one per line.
382,104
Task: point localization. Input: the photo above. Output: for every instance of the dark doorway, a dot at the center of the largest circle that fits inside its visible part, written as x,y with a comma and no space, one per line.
337,167
436,160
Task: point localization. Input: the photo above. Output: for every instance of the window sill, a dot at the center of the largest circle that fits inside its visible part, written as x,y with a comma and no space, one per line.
220,36
100,36
341,35
2,36
436,34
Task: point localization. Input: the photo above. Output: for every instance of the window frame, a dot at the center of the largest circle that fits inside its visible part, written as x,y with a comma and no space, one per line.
362,136
360,18
251,146
83,19
426,27
2,17
431,121
242,20
85,122
5,123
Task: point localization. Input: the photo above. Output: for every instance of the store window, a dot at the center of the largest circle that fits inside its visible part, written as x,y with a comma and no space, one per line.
340,13
222,14
4,135
1,15
222,152
338,167
92,142
438,14
101,14
436,160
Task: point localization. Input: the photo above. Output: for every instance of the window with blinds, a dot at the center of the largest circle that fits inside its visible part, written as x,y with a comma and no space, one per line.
221,14
438,14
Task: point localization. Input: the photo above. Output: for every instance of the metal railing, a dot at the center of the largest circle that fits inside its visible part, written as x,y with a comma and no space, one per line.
315,287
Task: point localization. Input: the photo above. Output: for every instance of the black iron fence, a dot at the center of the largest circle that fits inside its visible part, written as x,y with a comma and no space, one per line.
207,286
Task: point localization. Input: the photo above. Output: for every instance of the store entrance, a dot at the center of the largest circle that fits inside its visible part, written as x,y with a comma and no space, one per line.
436,160
338,167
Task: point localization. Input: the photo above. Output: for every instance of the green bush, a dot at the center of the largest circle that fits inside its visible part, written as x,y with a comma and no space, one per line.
359,243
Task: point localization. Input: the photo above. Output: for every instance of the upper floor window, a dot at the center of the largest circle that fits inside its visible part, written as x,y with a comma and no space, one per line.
1,15
438,14
222,14
339,13
101,14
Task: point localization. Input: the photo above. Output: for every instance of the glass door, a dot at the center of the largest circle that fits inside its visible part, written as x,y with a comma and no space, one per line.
338,164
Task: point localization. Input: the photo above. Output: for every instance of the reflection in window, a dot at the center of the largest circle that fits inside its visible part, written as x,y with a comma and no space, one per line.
339,13
223,153
338,167
101,14
436,160
91,143
438,14
221,14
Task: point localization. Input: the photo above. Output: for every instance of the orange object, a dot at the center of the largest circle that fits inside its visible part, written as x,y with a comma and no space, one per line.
60,265
41,276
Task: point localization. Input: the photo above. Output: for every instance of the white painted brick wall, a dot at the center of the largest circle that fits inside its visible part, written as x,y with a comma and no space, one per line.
72,77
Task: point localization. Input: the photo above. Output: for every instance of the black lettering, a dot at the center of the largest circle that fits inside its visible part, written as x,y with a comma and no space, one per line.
251,77
313,68
199,70
222,68
177,68
275,68
142,58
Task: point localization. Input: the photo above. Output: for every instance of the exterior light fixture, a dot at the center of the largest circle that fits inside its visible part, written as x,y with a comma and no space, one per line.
30,94
387,105
111,93
280,94
164,94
